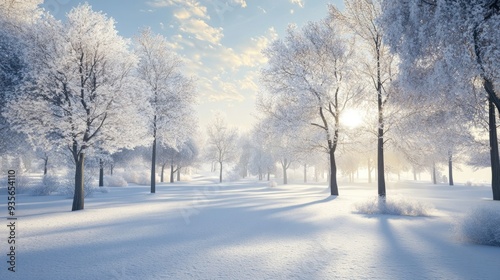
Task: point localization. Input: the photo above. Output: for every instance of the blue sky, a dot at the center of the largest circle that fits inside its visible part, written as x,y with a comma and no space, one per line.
220,41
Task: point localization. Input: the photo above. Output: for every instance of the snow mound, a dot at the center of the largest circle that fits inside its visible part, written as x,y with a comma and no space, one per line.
480,226
396,205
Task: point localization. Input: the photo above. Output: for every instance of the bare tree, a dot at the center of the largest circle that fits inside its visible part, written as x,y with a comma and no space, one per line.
222,142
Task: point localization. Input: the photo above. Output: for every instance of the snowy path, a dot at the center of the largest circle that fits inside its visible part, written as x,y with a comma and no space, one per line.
244,230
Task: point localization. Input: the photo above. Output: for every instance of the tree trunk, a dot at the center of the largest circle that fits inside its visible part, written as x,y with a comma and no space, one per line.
450,170
153,167
380,164
305,173
494,155
78,198
369,171
178,174
268,175
45,163
414,174
111,169
380,142
162,175
285,179
101,173
220,173
334,188
172,173
434,179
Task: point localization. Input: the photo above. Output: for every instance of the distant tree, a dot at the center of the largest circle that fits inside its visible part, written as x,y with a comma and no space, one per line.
177,158
222,141
261,160
171,94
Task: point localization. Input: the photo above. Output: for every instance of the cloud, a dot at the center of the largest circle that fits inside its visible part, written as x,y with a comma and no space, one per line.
242,3
300,3
161,3
192,18
262,9
248,56
201,30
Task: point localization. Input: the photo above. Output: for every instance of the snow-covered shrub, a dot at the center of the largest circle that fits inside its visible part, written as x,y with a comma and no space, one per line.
233,175
115,181
89,183
23,182
49,184
273,184
397,205
474,183
137,177
480,226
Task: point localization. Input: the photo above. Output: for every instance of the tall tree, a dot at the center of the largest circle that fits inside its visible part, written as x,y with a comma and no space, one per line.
77,92
450,45
308,77
361,17
171,94
16,17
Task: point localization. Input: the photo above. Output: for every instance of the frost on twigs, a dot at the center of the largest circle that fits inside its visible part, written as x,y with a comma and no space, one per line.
396,205
479,226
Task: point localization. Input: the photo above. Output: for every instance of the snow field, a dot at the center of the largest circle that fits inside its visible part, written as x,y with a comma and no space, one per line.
247,230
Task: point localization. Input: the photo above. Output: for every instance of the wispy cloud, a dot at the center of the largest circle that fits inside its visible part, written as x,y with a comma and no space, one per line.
192,18
300,3
201,30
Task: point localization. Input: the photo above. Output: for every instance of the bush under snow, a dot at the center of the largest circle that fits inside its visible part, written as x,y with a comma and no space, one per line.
480,226
138,177
115,181
397,205
49,184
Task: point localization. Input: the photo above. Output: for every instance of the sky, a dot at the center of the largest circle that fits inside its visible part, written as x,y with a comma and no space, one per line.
220,42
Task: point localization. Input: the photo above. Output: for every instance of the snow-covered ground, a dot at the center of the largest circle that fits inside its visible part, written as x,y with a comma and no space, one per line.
245,230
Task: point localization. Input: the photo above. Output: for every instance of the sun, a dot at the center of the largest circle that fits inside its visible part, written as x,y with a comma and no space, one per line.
352,118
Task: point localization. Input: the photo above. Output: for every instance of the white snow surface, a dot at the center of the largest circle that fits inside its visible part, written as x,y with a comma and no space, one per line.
245,230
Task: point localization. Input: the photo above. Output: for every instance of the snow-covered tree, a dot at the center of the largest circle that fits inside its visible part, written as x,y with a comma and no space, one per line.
450,45
309,78
183,156
77,92
171,94
261,158
361,16
15,18
222,142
